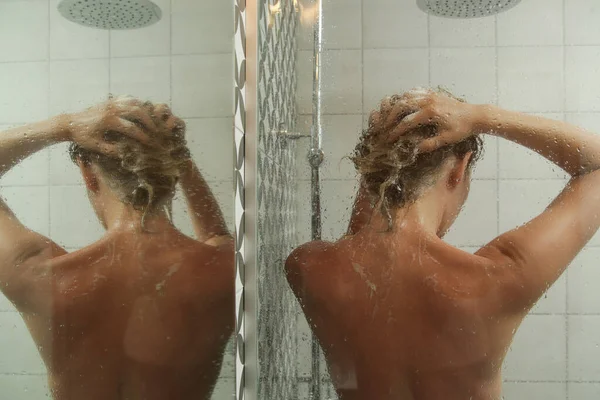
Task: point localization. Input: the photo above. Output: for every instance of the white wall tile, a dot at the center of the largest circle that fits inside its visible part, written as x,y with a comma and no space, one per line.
202,86
487,166
342,27
534,391
521,201
340,135
211,142
30,205
466,72
223,194
24,387
531,78
476,225
73,222
341,82
584,348
533,196
24,94
583,391
303,209
393,24
6,305
154,40
336,203
589,121
532,22
31,171
63,171
23,31
304,77
581,78
20,354
581,22
200,27
70,40
304,347
77,84
518,162
148,78
390,72
554,300
538,351
303,125
584,282
224,389
449,32
341,89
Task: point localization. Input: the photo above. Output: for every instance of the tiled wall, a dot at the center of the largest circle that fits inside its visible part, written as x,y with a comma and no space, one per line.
541,57
49,65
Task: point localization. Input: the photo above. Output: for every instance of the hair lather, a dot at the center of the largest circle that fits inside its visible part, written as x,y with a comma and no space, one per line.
395,174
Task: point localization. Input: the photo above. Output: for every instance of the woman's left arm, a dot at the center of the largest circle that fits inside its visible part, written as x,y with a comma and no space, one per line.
24,254
18,244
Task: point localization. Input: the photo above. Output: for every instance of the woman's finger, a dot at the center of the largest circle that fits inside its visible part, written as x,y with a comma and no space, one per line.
431,144
129,129
409,123
176,125
162,111
108,149
139,116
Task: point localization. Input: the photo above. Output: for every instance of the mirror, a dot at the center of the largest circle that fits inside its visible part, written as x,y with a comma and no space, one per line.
117,273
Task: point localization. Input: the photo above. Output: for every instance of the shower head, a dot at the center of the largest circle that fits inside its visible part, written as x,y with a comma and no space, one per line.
465,8
111,14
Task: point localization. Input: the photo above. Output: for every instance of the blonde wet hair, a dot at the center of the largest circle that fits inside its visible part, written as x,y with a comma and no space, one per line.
395,174
143,176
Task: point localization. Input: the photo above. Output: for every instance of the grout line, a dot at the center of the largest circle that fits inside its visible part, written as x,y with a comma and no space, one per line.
564,83
171,54
497,76
110,64
362,61
428,50
48,151
41,60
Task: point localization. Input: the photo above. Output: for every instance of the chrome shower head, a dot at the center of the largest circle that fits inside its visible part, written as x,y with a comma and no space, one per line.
111,14
465,8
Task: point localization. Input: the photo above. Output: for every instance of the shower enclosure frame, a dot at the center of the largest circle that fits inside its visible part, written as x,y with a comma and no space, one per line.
245,133
246,210
244,128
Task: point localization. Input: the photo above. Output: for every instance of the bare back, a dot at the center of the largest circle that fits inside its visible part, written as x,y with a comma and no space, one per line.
144,317
404,321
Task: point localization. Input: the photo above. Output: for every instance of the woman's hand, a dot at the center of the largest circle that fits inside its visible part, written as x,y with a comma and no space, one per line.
98,127
169,122
454,120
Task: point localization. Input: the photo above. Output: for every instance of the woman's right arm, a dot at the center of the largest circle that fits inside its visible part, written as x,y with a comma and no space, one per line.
534,255
207,217
539,251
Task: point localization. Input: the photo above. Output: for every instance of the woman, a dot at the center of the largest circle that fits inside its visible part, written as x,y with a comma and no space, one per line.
145,312
401,314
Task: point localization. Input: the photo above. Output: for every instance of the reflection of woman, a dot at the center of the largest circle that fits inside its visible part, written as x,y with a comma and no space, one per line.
145,312
400,313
